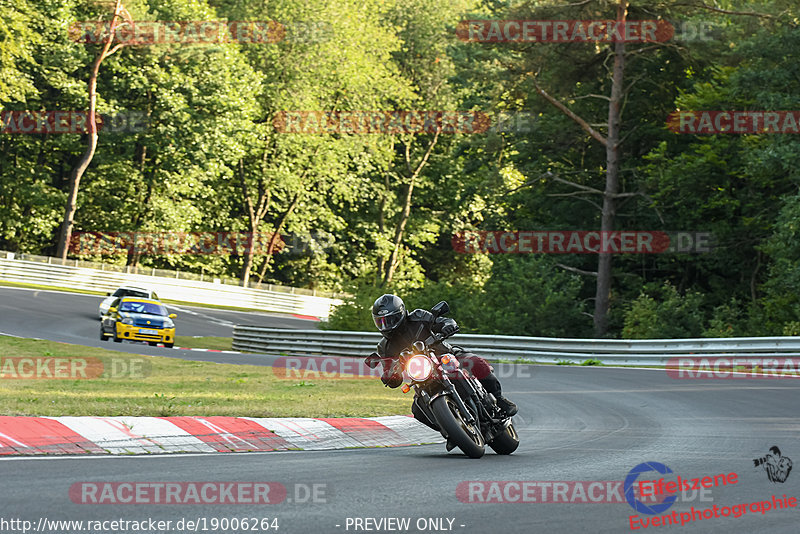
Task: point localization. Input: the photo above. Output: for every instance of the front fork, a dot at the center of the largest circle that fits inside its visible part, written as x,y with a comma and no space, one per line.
450,389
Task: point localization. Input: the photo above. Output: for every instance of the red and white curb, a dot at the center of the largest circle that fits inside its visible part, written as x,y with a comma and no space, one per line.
161,435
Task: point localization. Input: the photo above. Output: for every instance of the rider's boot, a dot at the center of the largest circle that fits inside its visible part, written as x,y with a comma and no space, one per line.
492,385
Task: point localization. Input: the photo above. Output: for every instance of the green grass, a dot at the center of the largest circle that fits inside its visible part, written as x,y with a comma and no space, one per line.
171,386
204,342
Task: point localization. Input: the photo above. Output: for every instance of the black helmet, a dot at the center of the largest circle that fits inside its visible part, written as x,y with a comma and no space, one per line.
388,312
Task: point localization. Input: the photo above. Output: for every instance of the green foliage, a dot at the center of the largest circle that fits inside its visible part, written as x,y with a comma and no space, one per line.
665,315
356,312
522,297
731,320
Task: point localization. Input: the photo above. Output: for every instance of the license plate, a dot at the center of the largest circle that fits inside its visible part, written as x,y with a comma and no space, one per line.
148,331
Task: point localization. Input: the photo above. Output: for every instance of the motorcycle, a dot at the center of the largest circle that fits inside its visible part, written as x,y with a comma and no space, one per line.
466,414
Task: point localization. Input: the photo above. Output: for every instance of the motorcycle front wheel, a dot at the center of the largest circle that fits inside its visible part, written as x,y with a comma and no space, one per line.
465,436
506,442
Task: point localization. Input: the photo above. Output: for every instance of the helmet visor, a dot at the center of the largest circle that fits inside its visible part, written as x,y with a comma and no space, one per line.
386,323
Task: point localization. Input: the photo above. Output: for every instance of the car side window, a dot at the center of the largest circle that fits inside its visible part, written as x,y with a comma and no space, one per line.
119,293
155,297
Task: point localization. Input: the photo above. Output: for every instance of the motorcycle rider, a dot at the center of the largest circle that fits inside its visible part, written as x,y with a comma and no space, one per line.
401,329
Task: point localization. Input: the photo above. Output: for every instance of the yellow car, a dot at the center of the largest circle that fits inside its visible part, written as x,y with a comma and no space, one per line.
138,319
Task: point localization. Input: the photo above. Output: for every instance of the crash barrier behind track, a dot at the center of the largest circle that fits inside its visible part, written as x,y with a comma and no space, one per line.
277,341
194,291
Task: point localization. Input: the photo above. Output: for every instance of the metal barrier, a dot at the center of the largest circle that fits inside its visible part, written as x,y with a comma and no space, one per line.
277,341
193,291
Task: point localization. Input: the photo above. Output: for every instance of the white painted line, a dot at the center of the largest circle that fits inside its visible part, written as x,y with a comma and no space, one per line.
10,335
8,458
223,322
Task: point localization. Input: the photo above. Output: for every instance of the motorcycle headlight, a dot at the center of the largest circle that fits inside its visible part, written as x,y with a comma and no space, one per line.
127,320
419,367
168,323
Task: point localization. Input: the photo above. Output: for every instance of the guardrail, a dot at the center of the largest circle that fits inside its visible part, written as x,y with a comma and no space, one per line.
167,273
277,341
193,291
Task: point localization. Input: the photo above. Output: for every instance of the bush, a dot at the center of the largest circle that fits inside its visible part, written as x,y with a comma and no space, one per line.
669,316
728,320
524,296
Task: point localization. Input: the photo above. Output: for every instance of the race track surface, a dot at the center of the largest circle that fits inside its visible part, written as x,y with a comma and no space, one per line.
575,423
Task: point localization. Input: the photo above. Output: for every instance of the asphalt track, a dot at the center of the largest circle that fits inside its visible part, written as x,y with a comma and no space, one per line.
575,423
72,318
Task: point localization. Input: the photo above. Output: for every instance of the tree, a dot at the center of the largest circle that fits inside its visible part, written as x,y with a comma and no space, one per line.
120,14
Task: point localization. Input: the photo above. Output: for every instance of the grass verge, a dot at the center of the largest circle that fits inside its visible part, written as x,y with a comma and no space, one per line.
167,386
204,342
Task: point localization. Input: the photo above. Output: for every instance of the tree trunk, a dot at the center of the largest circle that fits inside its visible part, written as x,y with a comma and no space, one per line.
381,224
254,216
273,240
391,264
80,168
603,289
393,261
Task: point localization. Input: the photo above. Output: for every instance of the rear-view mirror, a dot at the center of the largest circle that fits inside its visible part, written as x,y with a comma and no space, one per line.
172,316
440,309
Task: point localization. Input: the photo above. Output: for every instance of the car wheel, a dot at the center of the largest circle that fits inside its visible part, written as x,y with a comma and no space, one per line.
152,343
117,339
103,335
169,345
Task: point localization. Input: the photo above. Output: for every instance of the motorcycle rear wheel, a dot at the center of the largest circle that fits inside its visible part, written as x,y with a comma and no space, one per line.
507,442
466,437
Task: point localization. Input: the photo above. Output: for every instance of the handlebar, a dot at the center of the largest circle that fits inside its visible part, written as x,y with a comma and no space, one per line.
374,359
434,339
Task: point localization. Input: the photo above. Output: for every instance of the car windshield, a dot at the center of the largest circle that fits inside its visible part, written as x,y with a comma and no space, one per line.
130,293
143,307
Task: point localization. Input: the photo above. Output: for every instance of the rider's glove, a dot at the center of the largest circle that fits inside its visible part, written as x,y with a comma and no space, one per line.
392,381
449,329
392,375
